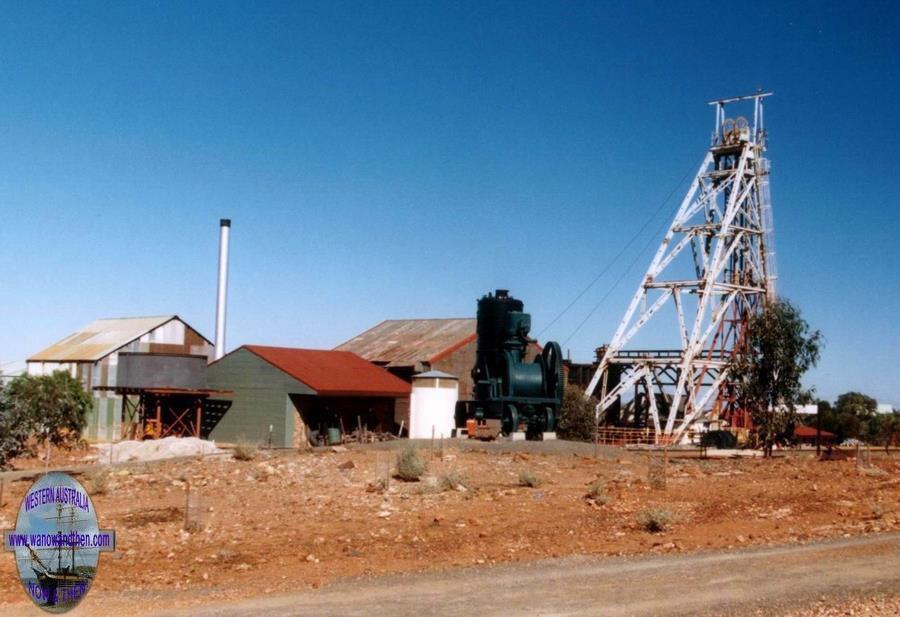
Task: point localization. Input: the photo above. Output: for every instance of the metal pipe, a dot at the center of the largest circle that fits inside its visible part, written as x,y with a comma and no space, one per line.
222,295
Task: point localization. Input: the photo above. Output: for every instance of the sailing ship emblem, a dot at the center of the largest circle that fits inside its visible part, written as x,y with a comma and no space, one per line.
57,542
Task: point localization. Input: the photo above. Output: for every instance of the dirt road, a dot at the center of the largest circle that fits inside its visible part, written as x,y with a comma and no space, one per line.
758,582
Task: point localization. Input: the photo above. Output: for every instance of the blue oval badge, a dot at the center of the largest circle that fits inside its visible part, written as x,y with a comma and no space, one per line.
57,542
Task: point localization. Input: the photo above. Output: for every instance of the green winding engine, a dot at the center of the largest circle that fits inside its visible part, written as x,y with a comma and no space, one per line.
506,387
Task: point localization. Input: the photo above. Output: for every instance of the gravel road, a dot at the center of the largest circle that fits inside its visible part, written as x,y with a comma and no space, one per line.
767,581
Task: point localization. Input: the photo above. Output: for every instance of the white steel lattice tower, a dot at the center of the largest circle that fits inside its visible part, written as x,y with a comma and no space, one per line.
714,269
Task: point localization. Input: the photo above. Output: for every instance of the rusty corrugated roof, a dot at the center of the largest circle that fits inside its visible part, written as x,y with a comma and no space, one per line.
407,342
810,431
332,373
99,338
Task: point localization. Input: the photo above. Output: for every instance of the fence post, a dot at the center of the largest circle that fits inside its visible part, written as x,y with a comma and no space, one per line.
187,505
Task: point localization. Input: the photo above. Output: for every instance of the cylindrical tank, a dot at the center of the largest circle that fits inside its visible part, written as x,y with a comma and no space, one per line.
432,405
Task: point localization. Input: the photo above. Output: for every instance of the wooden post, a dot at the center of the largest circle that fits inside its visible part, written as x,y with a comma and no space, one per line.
603,383
187,505
432,442
400,432
442,447
2,484
359,429
666,466
818,432
199,414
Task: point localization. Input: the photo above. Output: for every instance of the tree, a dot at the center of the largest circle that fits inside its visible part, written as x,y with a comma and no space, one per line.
780,349
853,415
576,417
884,430
14,430
53,407
857,404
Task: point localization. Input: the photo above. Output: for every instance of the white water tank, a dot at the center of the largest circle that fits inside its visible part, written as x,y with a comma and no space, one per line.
432,405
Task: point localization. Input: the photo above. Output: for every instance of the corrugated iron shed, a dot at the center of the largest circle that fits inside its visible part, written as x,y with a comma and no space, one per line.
409,342
333,373
99,339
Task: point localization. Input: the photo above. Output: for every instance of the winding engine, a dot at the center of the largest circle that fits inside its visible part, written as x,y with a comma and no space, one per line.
509,391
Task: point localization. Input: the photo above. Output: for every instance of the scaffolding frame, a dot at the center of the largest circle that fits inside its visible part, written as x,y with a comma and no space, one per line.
162,412
725,219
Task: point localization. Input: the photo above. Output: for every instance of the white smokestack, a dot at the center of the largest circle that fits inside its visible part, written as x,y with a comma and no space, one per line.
222,296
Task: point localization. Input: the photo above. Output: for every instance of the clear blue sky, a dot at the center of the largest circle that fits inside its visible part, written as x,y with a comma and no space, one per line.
401,159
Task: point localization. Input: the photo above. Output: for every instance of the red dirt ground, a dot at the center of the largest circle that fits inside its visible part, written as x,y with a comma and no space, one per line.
288,521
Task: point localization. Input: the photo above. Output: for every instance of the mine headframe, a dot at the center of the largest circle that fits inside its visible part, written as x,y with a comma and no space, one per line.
715,267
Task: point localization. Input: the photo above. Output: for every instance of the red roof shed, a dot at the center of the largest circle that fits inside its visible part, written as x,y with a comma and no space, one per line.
287,397
333,373
809,432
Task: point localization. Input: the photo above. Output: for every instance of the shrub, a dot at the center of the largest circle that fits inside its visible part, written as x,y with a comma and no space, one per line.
53,406
452,481
527,478
576,417
377,485
598,493
14,432
655,520
98,481
873,472
244,452
410,466
56,405
721,440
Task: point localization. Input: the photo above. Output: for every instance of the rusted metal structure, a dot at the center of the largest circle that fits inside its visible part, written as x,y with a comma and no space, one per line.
163,395
164,412
93,353
715,267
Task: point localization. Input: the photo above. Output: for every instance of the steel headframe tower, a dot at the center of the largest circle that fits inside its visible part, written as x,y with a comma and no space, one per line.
716,267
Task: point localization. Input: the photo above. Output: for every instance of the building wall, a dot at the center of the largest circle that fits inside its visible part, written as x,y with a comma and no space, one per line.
104,422
460,364
261,398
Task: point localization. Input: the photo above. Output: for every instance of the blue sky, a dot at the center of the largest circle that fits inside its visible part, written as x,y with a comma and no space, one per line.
401,159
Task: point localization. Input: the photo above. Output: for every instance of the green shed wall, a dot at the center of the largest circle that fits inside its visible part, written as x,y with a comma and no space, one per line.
260,399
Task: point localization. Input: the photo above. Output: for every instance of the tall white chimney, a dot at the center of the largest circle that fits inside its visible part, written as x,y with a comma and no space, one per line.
222,295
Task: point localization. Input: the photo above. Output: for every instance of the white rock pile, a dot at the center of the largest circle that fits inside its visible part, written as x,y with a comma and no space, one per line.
155,449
